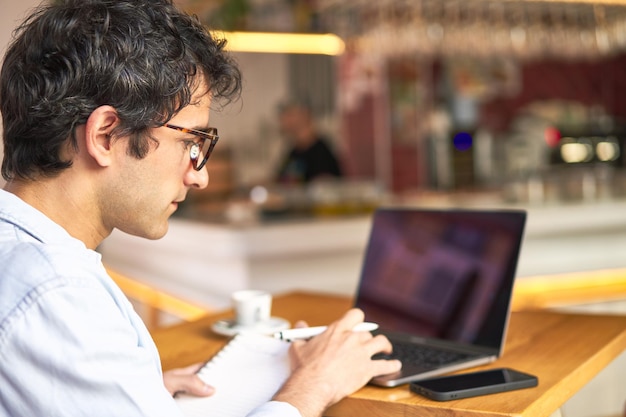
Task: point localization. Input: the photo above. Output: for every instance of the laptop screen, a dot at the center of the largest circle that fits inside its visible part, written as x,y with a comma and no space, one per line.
446,274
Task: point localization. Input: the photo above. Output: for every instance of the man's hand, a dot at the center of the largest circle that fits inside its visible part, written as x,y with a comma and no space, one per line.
333,365
185,380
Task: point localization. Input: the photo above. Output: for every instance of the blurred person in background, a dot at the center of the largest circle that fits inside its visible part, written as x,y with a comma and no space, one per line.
310,156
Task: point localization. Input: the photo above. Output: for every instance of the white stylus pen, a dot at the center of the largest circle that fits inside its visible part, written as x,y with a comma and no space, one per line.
308,332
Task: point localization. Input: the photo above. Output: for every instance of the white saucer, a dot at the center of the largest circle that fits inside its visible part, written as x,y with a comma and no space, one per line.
230,328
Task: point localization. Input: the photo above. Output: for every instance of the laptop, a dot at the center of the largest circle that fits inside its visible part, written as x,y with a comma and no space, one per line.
439,284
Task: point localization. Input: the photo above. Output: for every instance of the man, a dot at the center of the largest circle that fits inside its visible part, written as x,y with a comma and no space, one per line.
310,156
105,108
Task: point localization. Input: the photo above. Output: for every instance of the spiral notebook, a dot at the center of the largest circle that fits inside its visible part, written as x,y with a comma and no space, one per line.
246,373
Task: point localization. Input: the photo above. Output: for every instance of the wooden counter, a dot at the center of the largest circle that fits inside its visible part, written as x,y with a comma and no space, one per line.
565,351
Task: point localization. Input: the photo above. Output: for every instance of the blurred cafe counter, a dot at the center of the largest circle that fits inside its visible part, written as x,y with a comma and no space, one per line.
281,241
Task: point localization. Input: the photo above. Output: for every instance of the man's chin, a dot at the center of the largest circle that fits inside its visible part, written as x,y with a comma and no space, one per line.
152,234
158,234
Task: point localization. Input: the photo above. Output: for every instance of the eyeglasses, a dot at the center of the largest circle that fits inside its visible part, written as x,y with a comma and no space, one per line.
199,152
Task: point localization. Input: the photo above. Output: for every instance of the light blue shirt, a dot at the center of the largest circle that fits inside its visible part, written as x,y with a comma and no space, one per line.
70,342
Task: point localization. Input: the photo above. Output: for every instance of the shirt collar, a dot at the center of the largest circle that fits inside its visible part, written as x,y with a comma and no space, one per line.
16,211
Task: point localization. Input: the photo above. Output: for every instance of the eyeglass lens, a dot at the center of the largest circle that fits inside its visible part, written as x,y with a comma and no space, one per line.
202,153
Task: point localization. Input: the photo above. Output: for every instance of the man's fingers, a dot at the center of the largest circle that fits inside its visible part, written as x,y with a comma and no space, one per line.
350,319
300,324
386,366
379,344
185,380
189,384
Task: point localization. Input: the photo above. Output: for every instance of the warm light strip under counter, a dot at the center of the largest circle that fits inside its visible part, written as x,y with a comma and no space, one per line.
287,43
566,289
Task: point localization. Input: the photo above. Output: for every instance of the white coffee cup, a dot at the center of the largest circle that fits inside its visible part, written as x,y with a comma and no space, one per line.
252,307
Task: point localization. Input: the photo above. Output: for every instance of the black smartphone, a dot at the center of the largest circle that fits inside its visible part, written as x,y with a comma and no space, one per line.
472,384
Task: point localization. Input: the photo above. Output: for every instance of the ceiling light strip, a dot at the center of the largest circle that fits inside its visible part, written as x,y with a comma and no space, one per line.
287,43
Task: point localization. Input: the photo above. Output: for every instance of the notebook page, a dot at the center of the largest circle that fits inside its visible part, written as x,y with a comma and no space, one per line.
246,373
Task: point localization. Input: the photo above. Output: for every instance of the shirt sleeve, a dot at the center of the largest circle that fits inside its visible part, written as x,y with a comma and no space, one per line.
275,409
74,351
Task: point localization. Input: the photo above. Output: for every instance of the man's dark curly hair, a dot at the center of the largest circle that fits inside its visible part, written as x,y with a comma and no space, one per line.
141,57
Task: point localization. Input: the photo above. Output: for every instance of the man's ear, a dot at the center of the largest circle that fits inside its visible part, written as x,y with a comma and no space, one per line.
98,130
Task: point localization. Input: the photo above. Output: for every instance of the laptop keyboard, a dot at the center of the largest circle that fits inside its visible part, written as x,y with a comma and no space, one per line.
422,355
